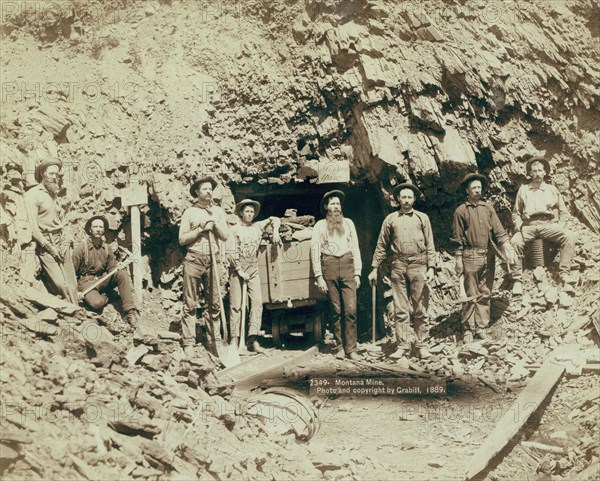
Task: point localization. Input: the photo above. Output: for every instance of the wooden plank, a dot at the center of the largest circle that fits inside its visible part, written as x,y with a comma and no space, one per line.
250,373
530,399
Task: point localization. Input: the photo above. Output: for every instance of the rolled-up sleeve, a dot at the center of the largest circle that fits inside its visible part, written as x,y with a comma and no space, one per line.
429,243
315,249
382,243
355,249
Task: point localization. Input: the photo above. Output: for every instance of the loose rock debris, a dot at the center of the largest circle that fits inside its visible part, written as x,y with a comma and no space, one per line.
82,398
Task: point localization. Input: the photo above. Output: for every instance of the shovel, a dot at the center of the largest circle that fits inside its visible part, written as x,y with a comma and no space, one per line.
374,308
242,347
227,353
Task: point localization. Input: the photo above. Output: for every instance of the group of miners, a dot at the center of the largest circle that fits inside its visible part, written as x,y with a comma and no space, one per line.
405,240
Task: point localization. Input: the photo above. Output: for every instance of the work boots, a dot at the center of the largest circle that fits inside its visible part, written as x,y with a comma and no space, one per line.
254,346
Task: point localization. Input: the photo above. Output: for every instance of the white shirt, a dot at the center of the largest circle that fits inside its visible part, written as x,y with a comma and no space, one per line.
323,243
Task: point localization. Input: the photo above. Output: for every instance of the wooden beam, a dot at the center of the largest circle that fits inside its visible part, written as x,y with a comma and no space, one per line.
253,371
530,399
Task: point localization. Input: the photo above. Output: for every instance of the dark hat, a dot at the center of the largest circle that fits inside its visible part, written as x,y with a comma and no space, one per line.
240,205
331,193
88,224
471,177
407,185
202,180
43,165
534,159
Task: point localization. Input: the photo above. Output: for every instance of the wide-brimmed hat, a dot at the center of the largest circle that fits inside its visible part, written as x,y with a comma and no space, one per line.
43,165
541,160
88,224
202,180
407,185
240,206
331,193
468,178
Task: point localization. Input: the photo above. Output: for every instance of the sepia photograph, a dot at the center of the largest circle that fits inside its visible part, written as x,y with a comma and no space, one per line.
300,240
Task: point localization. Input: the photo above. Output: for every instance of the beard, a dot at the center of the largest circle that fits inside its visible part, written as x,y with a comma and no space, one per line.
335,223
52,187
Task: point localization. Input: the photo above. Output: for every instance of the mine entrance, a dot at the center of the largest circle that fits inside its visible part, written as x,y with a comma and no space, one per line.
362,205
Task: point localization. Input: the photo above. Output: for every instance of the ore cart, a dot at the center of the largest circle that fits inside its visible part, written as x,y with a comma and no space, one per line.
292,300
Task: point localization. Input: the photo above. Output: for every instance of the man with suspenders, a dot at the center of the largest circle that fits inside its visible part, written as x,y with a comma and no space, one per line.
406,235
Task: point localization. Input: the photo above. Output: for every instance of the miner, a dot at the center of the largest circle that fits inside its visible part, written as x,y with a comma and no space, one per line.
94,259
477,233
337,266
46,218
242,253
540,213
202,226
407,237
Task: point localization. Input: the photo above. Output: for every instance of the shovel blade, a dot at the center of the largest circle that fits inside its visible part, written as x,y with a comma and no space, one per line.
228,354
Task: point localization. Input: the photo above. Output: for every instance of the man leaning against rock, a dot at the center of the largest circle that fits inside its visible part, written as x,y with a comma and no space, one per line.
46,219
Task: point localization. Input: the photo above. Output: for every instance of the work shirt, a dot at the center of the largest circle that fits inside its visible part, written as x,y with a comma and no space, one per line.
324,243
474,224
195,217
542,204
408,236
44,212
242,247
91,260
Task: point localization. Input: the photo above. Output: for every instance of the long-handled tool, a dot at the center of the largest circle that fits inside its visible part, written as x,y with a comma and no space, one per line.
227,353
119,266
242,347
374,309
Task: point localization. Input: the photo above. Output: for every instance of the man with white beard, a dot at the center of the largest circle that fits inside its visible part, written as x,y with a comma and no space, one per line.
46,218
337,264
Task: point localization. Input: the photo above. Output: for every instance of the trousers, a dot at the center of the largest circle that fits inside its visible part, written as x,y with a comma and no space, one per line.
549,231
96,298
198,275
479,268
61,275
338,273
409,290
255,297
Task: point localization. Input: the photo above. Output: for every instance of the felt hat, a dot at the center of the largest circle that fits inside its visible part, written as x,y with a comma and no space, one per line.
88,224
243,203
43,165
474,176
331,193
407,185
202,180
534,159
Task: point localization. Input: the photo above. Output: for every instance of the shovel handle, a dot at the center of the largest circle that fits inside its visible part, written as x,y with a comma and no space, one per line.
374,309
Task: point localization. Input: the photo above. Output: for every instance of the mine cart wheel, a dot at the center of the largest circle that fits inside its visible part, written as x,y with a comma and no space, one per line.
276,330
316,334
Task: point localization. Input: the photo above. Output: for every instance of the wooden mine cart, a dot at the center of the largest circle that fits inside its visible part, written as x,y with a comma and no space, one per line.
290,295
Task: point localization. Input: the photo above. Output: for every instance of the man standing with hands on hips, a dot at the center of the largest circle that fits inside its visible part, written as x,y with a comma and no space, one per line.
337,264
201,226
406,235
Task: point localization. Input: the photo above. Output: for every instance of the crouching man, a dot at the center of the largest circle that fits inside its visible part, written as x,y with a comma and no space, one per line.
93,259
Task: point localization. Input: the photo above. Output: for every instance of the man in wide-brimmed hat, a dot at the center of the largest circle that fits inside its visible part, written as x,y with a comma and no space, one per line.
203,225
242,253
46,219
540,213
93,259
407,237
337,265
476,233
